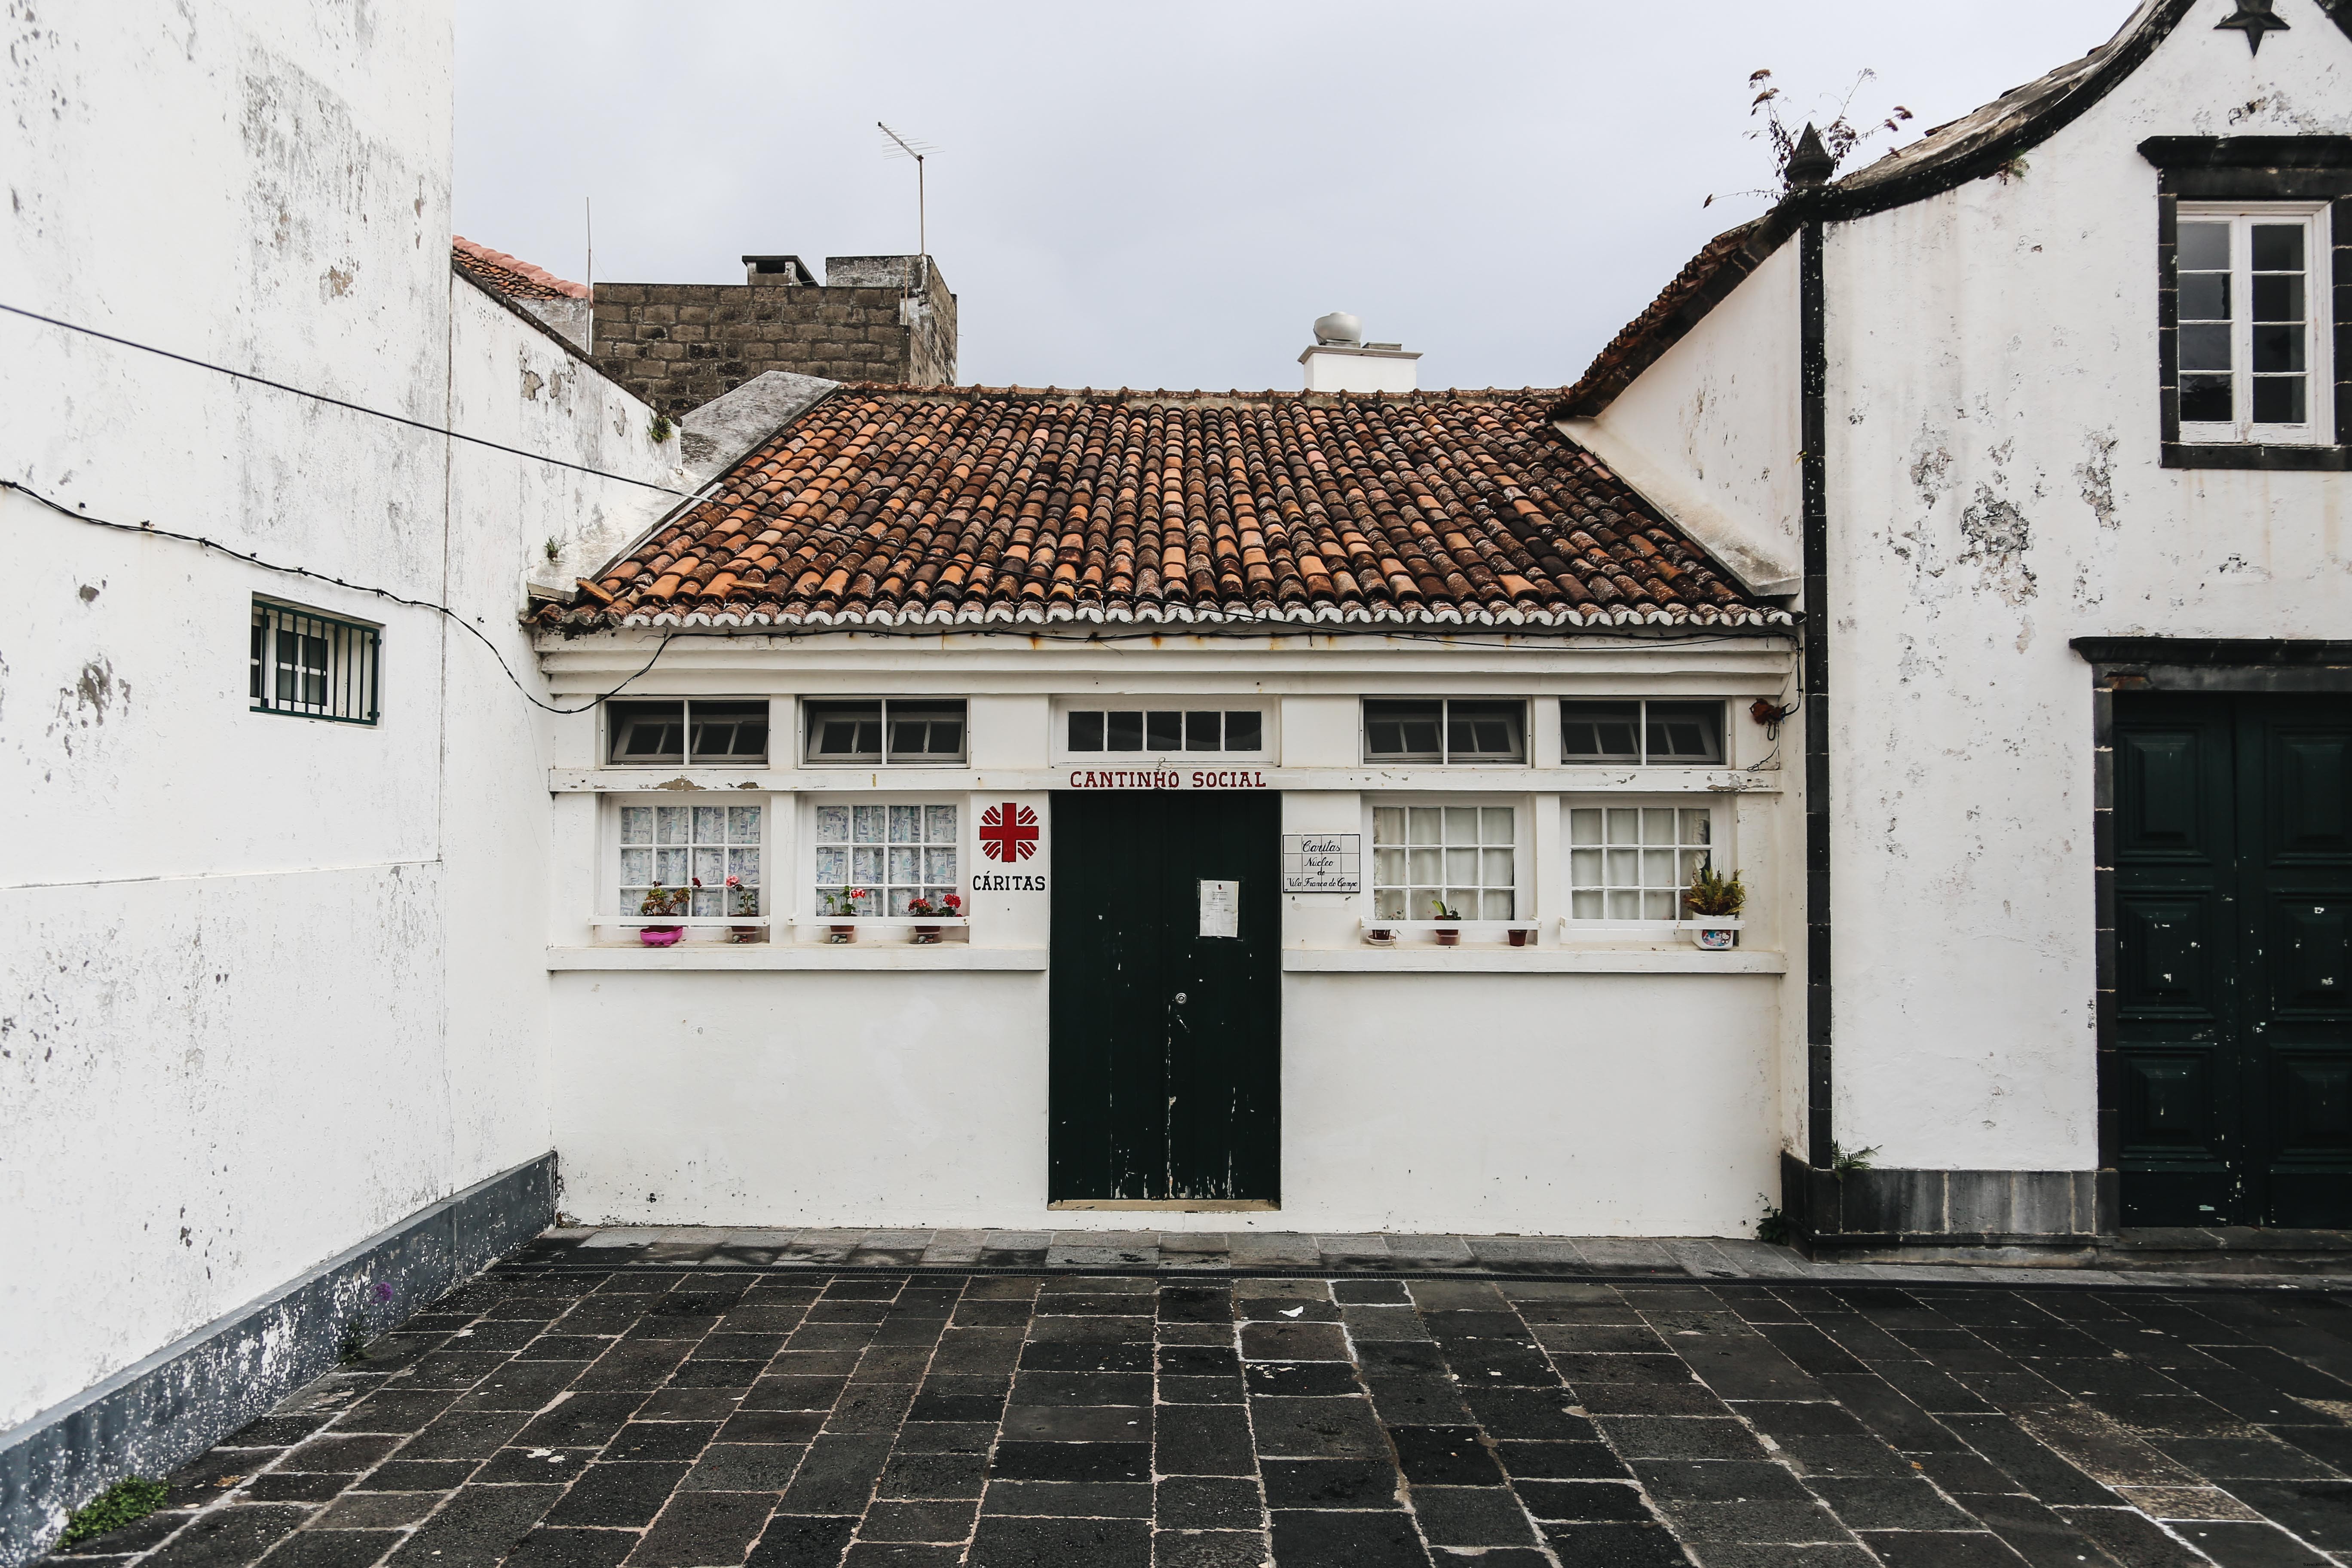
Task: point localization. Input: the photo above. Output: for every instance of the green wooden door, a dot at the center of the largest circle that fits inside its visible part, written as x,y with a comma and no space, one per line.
2233,891
1167,1074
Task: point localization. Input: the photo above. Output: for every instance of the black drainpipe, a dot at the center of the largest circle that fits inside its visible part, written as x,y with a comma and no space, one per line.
1812,305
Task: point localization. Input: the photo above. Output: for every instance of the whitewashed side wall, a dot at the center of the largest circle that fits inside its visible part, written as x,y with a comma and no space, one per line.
248,1014
512,520
1996,492
1710,431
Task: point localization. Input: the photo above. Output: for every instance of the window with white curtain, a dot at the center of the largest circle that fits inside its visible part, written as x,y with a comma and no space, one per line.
696,847
1631,863
877,857
1466,856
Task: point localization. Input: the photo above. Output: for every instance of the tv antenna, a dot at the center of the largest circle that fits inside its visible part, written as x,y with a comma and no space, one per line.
918,150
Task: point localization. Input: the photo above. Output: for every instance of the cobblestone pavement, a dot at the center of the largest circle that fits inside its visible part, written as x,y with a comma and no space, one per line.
556,1415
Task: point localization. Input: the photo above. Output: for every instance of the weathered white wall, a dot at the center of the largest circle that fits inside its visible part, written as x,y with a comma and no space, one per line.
1710,432
261,993
1996,491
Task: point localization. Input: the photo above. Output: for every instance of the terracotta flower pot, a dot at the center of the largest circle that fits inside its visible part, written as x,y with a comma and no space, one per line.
1379,936
750,933
1519,938
660,936
1449,936
843,933
926,935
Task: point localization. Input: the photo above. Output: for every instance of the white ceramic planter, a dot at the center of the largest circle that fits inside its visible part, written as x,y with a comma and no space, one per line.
1712,933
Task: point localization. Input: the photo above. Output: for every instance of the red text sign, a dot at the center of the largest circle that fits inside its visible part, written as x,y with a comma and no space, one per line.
1168,778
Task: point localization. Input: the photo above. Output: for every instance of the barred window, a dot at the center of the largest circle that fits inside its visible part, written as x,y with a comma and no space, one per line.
313,666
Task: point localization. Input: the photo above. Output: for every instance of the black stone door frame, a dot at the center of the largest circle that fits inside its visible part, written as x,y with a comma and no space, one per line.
2211,664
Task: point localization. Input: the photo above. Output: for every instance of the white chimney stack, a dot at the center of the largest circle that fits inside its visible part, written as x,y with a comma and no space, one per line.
1341,360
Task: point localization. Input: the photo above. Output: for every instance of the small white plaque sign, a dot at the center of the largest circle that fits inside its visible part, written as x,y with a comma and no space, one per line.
1221,909
1322,863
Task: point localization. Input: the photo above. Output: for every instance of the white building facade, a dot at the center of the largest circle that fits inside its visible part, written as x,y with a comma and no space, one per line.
2048,409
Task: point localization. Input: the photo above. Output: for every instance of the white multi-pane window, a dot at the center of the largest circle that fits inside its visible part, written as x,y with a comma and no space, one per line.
1463,855
1631,863
696,847
886,855
2252,340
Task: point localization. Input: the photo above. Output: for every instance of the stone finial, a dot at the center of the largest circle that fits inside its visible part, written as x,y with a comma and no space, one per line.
1810,162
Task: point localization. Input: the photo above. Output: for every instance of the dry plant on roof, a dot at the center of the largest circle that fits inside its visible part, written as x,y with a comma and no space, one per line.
1840,135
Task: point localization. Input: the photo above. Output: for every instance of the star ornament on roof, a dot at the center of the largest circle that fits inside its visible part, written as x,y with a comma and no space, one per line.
2253,19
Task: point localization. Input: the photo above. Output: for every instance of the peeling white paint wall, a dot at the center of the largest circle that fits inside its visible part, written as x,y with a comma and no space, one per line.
269,984
1996,492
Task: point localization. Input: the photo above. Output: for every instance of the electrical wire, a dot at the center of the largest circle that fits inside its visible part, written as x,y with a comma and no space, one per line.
335,402
151,530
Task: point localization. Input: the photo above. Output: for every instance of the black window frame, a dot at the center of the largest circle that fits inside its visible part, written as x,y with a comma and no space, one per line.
1151,737
1716,707
925,711
619,710
2248,172
1447,728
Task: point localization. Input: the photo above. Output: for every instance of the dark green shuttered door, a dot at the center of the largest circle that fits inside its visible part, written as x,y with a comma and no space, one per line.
1167,1074
2233,914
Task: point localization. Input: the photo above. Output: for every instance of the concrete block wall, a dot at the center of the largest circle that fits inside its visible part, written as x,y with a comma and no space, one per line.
678,345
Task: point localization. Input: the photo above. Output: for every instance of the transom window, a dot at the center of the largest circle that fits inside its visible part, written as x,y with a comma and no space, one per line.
1631,863
1463,855
1167,730
2251,341
1452,730
697,730
1667,734
696,847
919,730
885,855
314,665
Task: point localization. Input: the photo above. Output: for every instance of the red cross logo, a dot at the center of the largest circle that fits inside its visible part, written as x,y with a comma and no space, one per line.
1008,833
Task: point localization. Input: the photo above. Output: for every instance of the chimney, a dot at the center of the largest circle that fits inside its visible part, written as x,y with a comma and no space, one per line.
776,269
1341,360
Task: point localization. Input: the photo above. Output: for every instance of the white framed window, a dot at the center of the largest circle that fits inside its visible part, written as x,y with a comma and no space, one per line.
880,731
876,857
695,848
653,733
1467,856
1172,729
1643,733
1457,730
2253,337
1629,863
314,665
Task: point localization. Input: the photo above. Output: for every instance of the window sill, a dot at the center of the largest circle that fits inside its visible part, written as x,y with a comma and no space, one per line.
795,955
1664,959
2257,454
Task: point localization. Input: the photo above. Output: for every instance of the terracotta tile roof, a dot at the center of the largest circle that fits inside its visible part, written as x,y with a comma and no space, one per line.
970,507
516,279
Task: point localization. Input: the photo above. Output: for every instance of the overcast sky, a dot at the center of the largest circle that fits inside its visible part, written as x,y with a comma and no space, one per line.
1168,194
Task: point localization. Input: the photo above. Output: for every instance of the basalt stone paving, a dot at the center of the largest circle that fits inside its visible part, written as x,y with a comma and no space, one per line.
557,1414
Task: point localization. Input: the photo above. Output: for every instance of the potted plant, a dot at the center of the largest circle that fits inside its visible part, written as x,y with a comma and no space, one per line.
1379,936
842,905
1446,937
747,906
661,901
1519,936
1714,902
950,905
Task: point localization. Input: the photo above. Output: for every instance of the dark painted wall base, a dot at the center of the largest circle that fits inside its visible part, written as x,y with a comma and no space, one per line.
2049,1217
152,1417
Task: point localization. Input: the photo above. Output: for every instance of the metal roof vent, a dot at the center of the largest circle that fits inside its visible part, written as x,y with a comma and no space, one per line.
1339,329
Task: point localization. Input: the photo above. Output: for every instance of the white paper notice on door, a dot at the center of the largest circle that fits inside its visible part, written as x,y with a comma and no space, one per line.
1221,909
